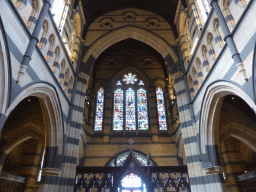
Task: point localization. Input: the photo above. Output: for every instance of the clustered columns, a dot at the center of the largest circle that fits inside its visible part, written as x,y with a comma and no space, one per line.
189,131
107,114
229,39
33,40
75,51
153,122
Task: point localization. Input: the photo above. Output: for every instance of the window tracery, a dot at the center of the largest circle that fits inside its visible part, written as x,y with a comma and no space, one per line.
131,114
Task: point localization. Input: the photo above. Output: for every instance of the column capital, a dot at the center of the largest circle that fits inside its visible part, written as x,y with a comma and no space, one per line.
214,170
212,1
48,1
177,75
50,171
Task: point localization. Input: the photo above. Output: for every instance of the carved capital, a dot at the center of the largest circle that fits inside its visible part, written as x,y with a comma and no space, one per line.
50,171
213,170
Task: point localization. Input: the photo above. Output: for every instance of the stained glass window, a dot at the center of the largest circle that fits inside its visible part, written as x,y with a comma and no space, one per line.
131,180
142,109
99,110
130,79
161,109
141,82
118,83
130,110
130,105
118,110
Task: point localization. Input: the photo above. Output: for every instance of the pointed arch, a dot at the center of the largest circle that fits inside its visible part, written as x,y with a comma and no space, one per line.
5,69
130,32
210,108
50,99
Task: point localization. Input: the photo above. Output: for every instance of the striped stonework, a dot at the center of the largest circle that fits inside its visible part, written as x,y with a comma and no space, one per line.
153,121
108,103
189,135
73,133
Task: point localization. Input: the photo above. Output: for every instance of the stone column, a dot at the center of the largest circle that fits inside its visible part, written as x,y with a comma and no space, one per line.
153,122
31,182
107,115
229,39
33,40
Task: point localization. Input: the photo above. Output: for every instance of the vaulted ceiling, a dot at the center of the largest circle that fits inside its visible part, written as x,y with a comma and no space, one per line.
95,8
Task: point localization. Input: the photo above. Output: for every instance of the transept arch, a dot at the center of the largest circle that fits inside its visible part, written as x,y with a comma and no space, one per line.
134,33
210,110
5,71
51,104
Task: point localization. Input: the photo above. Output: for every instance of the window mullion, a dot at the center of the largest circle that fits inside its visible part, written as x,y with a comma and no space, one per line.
124,109
136,108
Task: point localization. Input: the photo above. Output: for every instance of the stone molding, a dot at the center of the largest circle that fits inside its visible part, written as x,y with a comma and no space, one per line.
209,110
50,171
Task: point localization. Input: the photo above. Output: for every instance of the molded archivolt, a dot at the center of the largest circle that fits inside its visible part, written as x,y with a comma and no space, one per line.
130,17
49,97
210,110
130,32
4,71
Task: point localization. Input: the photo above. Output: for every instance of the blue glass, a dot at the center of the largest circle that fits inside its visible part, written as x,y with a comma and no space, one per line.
118,110
142,109
130,123
99,110
161,109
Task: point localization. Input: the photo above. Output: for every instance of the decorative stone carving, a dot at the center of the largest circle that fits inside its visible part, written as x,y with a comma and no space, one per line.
129,15
148,62
153,22
107,22
213,170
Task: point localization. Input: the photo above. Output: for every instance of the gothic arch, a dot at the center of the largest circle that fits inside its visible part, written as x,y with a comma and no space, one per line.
130,32
5,70
239,132
53,119
211,107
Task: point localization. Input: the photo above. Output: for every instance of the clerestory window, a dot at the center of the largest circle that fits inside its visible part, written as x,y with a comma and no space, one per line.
130,104
161,109
99,110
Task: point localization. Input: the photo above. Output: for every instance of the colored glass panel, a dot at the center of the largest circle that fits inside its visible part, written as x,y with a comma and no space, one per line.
141,82
131,180
130,78
142,109
130,110
99,110
161,109
118,83
118,110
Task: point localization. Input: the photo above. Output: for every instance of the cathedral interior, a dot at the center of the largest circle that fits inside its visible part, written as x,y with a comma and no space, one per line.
127,96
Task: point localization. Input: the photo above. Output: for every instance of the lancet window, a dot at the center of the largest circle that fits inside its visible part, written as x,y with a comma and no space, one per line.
161,109
130,104
99,110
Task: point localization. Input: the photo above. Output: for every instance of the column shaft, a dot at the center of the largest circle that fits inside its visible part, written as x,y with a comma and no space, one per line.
34,40
229,39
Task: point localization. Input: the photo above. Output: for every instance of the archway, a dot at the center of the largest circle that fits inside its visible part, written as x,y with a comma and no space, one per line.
236,136
227,133
23,139
33,128
5,71
134,33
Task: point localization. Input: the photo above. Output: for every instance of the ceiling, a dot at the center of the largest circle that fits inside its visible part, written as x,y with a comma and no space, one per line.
95,8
